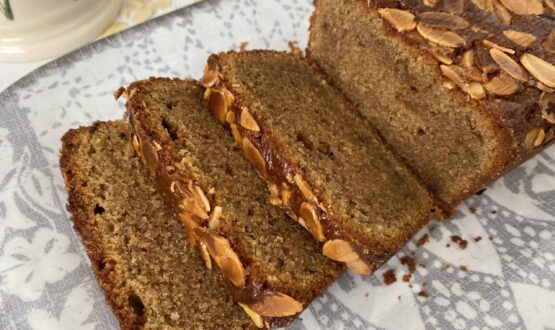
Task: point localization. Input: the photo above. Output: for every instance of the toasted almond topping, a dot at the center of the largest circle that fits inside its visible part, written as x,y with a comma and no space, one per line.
229,98
230,118
255,317
454,6
443,20
305,189
493,45
340,250
441,53
310,215
150,156
486,5
484,61
430,3
520,38
502,84
507,64
550,4
501,13
276,305
449,85
547,106
254,156
524,7
541,86
274,190
227,260
539,138
190,224
475,90
360,267
529,141
214,220
236,134
210,77
247,121
467,60
275,200
441,37
402,20
549,43
136,144
157,146
205,255
454,73
207,93
217,104
203,198
540,69
285,196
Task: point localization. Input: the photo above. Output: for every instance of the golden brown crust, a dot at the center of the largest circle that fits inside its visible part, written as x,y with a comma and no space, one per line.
246,287
509,114
288,186
111,284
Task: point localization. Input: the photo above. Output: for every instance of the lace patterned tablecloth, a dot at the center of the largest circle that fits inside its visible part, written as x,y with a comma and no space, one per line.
500,274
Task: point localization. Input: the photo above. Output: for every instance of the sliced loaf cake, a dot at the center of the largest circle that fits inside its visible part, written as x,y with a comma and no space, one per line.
151,276
461,89
323,164
270,265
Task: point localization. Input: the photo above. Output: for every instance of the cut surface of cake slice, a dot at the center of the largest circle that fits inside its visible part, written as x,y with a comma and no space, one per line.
323,163
461,89
270,265
151,276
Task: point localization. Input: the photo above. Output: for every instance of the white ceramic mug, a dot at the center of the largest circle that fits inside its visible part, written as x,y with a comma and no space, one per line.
38,29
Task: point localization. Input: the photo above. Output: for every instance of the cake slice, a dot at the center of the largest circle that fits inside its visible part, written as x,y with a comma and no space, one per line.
461,89
323,164
270,265
151,276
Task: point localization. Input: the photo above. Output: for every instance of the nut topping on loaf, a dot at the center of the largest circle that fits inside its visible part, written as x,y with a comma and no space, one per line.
440,29
216,195
288,188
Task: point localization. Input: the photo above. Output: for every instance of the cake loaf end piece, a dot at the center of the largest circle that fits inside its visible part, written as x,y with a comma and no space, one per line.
461,89
151,276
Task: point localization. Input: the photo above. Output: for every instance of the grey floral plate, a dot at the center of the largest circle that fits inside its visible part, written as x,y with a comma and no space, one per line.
493,267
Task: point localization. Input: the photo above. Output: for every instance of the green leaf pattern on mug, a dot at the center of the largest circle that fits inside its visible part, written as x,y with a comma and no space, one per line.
6,9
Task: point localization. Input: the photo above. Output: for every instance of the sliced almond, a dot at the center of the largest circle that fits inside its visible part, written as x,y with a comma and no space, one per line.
276,305
501,13
454,6
540,69
192,202
441,37
490,44
550,4
360,267
207,93
235,133
136,144
443,20
285,196
340,250
486,5
502,84
227,260
484,61
530,142
475,90
214,220
247,121
542,87
254,156
217,104
255,317
204,201
549,43
205,255
459,77
507,64
430,3
210,77
524,7
150,156
547,106
401,20
305,189
310,215
520,38
230,118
